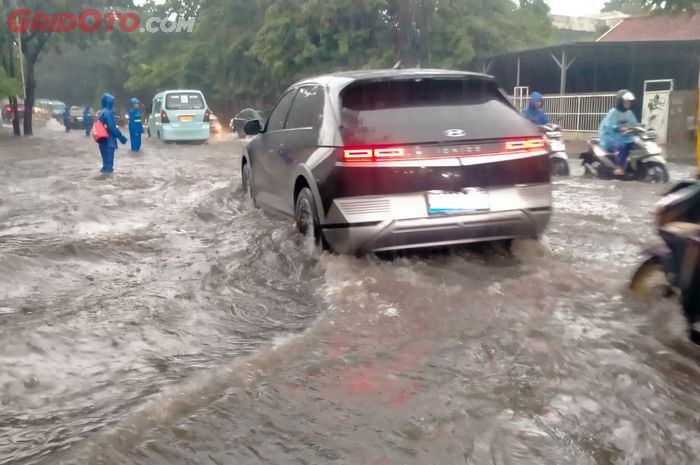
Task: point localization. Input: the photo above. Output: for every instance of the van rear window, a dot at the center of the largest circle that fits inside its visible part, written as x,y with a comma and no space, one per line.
184,101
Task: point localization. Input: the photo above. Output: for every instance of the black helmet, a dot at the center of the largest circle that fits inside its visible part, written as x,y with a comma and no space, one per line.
623,96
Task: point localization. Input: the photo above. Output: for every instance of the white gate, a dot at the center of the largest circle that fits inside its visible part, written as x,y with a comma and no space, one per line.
521,97
572,112
656,107
579,112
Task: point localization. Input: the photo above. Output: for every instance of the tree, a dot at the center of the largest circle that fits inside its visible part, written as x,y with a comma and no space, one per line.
242,50
35,42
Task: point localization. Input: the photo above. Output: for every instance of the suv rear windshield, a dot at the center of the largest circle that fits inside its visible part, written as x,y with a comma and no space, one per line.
427,110
184,101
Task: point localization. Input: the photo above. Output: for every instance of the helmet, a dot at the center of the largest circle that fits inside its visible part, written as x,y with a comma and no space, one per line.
623,96
134,101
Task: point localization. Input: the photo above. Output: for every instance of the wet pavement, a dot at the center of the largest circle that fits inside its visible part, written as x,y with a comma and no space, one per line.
157,318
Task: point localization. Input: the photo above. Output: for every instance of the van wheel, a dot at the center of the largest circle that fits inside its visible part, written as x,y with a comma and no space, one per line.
306,216
148,130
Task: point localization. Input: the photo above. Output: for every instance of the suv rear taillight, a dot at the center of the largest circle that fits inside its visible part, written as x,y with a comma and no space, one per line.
366,154
207,114
164,117
389,153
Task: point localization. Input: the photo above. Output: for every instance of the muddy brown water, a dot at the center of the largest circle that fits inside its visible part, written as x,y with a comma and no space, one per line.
157,318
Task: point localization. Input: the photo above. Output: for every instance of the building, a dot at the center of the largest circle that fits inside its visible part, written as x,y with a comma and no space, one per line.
592,23
634,51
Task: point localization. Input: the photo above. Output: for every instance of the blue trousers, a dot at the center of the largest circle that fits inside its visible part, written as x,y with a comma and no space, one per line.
622,152
88,128
107,153
135,136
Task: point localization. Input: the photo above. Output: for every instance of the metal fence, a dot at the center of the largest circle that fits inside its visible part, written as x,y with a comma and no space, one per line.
573,112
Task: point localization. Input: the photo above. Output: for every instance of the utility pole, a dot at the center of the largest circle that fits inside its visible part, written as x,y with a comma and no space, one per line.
21,61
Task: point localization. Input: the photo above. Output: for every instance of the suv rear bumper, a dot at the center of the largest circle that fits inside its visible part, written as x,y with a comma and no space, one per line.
373,223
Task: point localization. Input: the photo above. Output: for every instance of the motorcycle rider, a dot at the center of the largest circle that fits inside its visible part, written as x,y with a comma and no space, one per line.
614,131
534,111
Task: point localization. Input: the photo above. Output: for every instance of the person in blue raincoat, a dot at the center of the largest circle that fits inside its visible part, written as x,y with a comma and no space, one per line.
109,145
534,111
614,130
87,119
66,119
135,125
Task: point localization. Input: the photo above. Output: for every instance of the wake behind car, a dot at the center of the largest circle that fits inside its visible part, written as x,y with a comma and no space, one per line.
372,161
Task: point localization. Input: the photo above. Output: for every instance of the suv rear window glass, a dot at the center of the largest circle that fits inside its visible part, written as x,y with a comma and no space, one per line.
427,110
184,101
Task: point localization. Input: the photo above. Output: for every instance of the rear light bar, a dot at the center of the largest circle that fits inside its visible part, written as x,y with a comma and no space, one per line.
164,117
207,114
378,154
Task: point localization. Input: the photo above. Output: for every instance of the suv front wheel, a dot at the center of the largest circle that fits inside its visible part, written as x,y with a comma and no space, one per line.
306,216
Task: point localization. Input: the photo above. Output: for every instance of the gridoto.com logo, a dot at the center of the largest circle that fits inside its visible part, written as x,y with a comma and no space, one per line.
93,20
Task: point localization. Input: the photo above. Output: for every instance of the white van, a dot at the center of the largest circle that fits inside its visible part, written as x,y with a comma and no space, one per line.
179,115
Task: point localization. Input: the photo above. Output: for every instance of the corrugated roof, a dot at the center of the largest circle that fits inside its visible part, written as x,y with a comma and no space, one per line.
654,28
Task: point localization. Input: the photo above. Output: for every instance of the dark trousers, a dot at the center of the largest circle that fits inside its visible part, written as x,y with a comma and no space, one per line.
135,136
107,153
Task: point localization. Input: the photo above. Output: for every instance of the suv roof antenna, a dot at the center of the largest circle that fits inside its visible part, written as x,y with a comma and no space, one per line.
397,65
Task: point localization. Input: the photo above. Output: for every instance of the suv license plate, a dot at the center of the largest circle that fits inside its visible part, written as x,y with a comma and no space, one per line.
458,202
186,118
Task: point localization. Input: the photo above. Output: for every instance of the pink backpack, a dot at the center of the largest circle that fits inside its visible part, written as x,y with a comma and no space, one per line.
99,131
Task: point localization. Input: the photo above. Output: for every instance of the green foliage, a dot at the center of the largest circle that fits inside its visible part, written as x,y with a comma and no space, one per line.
9,86
243,50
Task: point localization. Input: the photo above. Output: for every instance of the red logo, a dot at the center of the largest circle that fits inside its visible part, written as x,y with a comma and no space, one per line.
92,20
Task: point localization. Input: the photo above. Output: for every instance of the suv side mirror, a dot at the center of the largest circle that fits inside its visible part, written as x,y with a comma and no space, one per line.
252,127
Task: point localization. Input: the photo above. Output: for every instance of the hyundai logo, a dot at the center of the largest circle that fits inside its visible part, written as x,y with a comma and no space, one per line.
455,133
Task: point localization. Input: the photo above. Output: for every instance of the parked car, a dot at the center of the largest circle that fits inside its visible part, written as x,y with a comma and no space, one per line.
75,117
180,115
371,161
7,113
238,122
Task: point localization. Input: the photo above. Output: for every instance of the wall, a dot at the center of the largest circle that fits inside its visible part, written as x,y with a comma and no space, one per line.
682,123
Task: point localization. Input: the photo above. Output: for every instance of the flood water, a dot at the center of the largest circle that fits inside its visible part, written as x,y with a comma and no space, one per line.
158,318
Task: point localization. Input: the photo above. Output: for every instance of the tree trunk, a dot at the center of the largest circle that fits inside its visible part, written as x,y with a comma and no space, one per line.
29,100
407,33
15,117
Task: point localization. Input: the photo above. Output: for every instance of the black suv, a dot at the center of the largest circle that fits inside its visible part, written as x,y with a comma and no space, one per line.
395,159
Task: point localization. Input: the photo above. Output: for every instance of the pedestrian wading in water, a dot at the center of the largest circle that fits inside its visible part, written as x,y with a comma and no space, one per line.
109,144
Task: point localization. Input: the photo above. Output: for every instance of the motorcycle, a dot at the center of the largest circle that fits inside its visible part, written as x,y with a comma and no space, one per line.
677,260
645,162
558,157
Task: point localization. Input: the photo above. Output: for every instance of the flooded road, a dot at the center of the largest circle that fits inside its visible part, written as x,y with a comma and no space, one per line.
157,318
